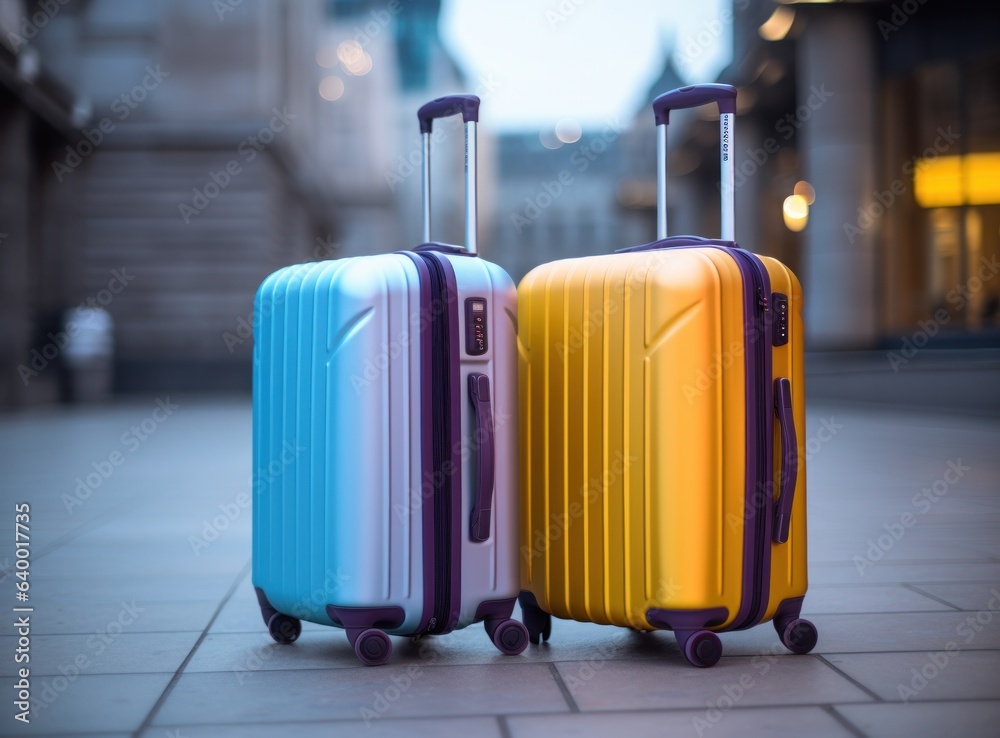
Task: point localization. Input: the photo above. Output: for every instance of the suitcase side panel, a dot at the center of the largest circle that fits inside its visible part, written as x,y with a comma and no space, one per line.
489,568
789,565
338,379
615,435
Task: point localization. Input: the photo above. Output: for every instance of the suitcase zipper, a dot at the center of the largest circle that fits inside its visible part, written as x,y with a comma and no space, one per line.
441,395
760,345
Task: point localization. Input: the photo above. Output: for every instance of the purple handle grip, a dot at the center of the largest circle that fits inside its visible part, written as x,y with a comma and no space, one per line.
790,466
694,96
442,107
482,510
678,241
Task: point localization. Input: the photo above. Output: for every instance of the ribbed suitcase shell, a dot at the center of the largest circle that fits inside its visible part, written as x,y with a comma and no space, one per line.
633,403
337,439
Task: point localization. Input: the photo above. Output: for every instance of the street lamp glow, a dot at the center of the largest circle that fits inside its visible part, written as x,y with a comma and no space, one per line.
778,25
568,131
805,190
331,88
795,211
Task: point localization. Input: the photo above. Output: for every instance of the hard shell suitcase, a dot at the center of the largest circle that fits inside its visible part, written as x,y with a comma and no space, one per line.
385,439
662,468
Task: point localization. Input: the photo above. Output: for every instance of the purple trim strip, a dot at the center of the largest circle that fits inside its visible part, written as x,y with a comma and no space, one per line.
760,492
457,493
454,474
426,440
673,242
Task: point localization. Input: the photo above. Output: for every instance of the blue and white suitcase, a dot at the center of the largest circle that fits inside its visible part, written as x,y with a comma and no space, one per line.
385,439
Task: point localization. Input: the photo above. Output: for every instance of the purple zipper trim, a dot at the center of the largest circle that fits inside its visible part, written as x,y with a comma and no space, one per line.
426,436
454,407
760,493
452,480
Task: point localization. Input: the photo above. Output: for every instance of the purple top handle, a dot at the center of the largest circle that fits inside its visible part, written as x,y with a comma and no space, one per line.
691,97
442,107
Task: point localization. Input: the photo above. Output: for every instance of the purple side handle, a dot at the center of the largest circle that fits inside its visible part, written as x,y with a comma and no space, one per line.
694,96
790,450
479,393
442,107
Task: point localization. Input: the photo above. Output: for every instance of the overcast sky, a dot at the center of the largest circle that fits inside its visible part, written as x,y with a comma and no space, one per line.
583,59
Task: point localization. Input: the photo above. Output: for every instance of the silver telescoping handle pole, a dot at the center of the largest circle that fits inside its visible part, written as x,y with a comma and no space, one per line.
471,195
427,185
690,97
468,106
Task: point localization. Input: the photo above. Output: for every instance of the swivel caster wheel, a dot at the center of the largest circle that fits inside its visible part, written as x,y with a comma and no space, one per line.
702,648
373,647
284,628
798,635
509,636
537,621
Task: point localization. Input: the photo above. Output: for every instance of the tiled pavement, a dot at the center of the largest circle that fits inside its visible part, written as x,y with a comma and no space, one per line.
136,633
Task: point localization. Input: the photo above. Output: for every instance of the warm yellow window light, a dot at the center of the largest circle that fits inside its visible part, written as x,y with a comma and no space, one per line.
949,181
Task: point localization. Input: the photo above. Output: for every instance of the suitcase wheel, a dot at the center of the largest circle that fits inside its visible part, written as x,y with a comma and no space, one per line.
372,647
538,622
509,636
701,648
284,628
798,635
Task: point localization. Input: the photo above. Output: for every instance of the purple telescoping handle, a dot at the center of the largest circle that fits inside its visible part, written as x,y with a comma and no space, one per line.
694,96
443,107
690,97
790,466
482,509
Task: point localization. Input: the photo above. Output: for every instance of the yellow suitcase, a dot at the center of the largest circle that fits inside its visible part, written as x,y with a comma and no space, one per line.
661,404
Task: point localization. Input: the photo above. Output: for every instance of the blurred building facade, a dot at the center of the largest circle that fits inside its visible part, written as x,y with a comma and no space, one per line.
161,158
